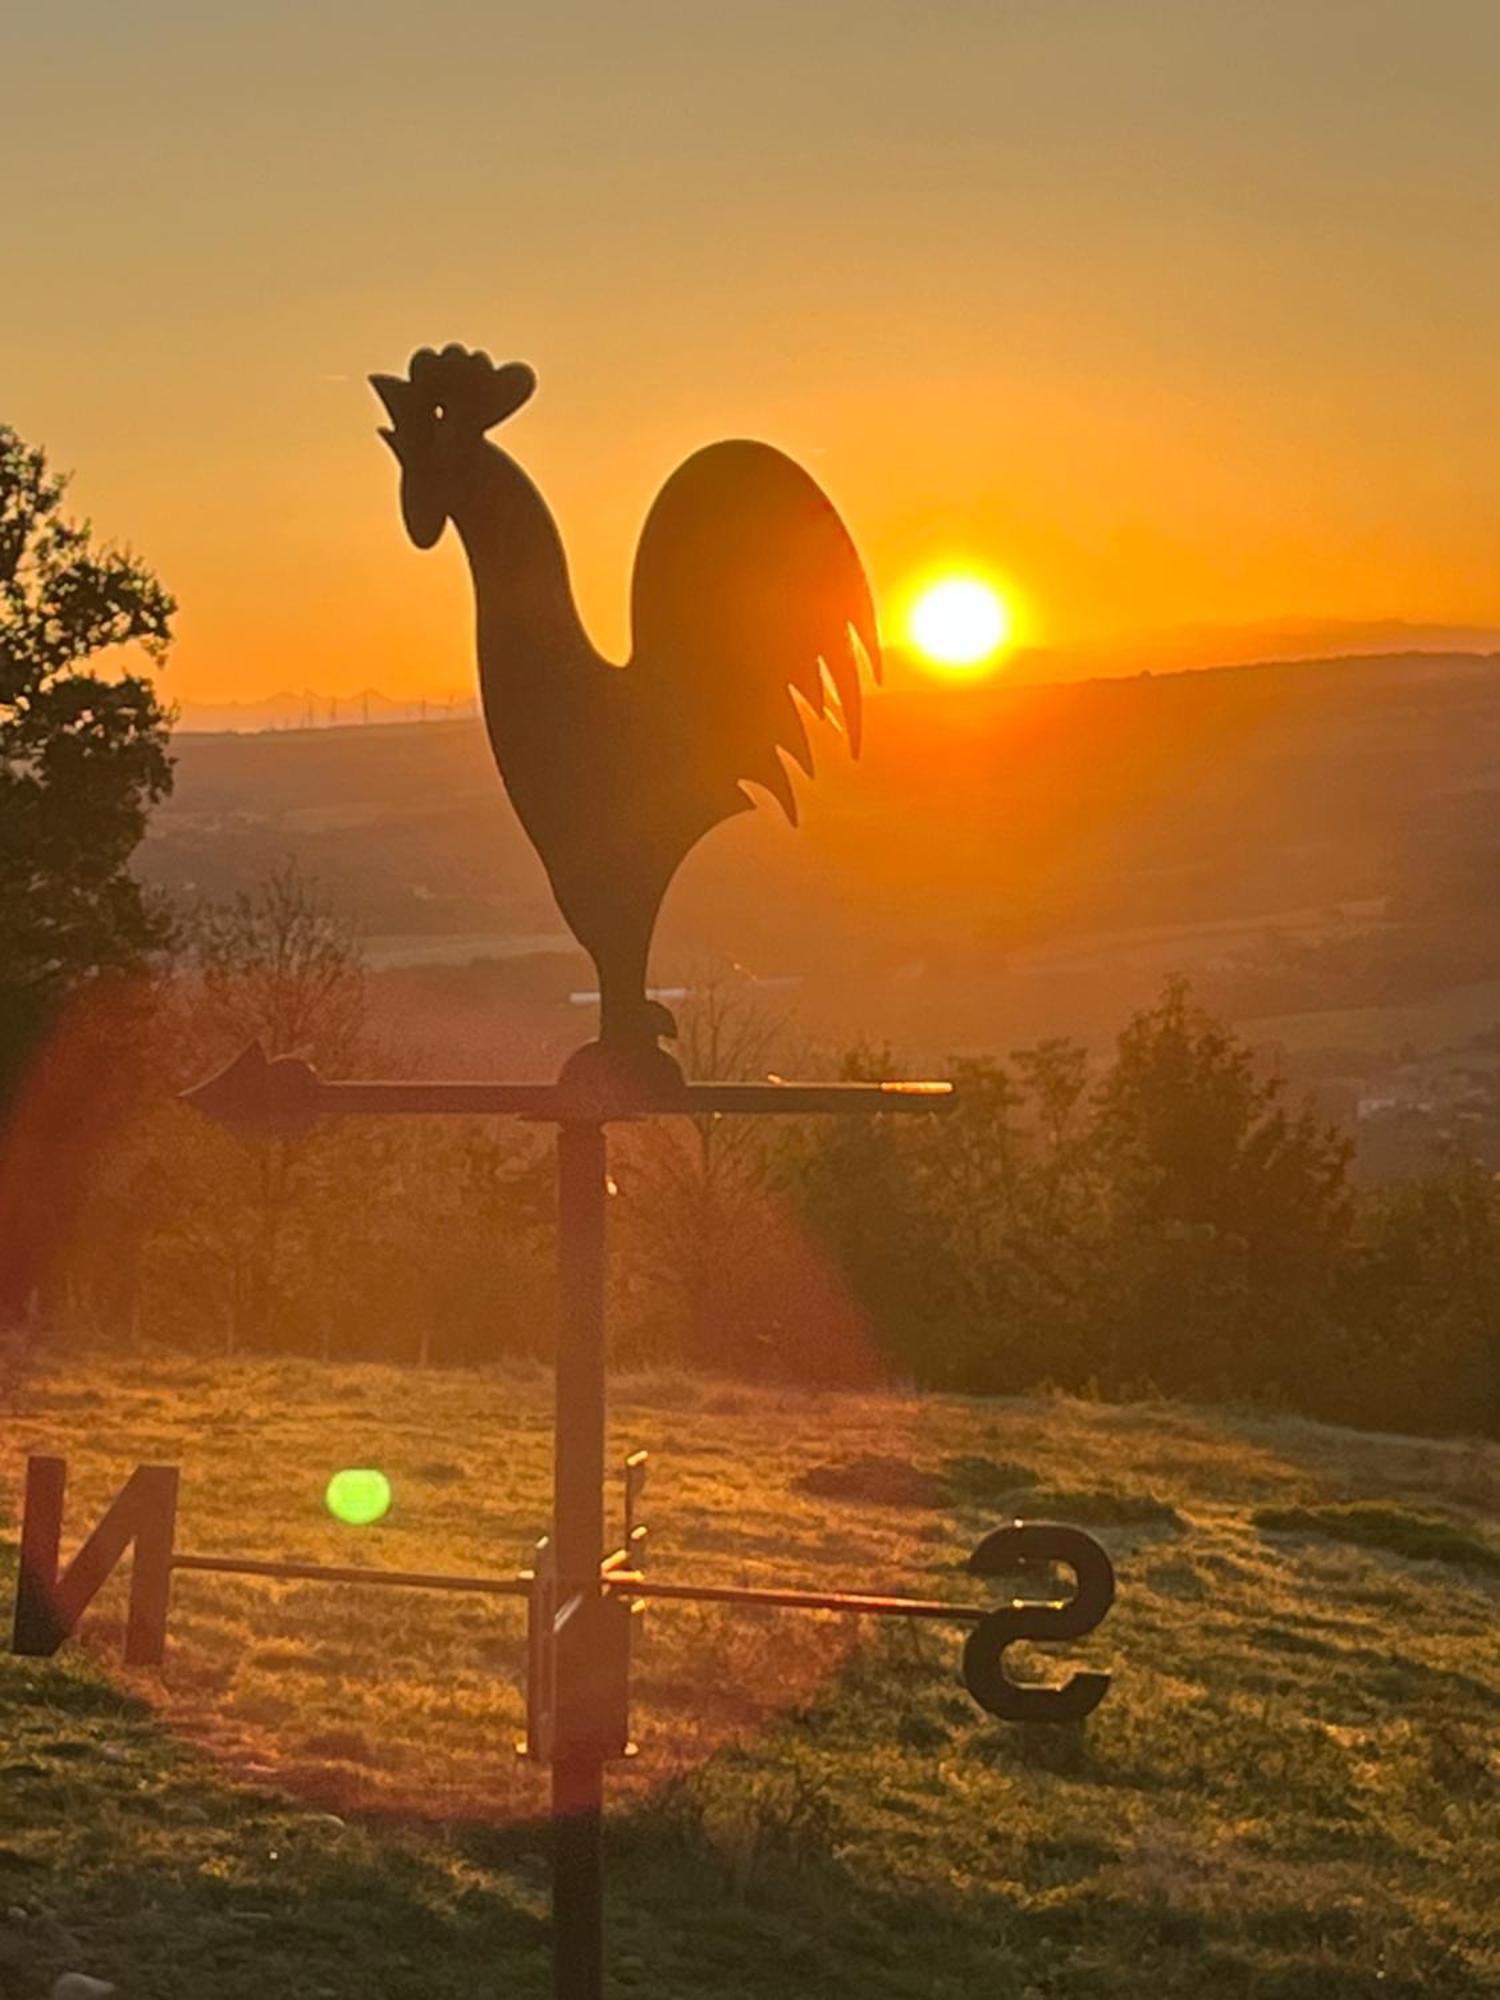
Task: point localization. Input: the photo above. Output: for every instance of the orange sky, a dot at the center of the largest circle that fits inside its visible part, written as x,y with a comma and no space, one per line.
1172,312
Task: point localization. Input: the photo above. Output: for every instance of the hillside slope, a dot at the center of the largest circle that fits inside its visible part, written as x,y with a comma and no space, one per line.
1007,861
1291,1791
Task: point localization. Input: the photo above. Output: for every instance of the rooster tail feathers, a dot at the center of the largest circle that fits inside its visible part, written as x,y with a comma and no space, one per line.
858,646
792,736
748,605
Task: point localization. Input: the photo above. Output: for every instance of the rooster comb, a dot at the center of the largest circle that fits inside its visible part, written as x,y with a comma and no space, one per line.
462,384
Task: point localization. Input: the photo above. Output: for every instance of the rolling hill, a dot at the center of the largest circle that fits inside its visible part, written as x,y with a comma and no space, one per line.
1007,861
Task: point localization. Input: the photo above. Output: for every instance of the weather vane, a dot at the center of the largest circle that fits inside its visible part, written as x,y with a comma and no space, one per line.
748,605
747,599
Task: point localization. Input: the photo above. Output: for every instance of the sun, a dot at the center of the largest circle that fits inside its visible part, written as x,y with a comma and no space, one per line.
959,623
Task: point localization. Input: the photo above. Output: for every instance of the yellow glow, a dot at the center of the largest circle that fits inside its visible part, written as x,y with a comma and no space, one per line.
359,1496
959,624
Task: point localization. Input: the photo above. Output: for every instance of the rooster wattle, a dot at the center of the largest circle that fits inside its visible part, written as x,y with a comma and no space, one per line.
747,593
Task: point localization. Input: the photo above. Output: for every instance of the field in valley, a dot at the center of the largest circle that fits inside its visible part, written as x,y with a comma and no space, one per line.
1293,1789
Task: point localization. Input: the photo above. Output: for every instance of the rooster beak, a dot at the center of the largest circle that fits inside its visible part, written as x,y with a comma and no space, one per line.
425,519
422,509
394,393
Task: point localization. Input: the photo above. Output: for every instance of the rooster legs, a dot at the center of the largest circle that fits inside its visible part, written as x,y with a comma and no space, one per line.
628,1018
627,1060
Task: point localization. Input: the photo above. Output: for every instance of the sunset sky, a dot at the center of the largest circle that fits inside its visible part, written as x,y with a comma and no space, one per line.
1168,311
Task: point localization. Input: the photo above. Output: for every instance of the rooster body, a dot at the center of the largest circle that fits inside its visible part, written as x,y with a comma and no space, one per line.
747,596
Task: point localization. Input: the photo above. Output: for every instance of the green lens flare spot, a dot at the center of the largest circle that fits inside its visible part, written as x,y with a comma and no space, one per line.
358,1496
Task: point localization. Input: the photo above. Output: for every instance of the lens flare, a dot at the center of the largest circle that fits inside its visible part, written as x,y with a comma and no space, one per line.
358,1496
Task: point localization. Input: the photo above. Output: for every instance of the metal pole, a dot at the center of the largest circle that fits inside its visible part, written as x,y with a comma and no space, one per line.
578,1530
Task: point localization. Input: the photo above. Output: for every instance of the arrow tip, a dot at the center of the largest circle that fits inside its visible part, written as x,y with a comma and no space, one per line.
257,1092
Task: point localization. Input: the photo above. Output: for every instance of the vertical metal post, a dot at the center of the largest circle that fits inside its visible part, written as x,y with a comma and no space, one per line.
578,1537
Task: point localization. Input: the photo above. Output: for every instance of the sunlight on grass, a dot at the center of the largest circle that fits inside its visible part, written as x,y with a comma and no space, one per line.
1286,1793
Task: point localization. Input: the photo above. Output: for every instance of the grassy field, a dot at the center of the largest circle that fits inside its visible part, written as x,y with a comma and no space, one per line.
1292,1790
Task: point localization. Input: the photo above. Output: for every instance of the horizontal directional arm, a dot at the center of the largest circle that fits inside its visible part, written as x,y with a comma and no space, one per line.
264,1093
613,1578
854,1604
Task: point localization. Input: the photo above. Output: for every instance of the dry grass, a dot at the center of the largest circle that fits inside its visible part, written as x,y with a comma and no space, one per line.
1291,1790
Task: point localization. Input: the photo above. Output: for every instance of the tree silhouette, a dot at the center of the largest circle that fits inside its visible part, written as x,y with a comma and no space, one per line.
83,758
1231,1204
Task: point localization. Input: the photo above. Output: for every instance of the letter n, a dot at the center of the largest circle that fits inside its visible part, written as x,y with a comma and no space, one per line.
49,1606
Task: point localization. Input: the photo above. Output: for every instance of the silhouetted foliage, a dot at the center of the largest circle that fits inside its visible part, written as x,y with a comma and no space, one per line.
82,752
83,757
277,967
1169,1222
413,1241
1229,1207
690,1223
1420,1302
280,967
1174,1224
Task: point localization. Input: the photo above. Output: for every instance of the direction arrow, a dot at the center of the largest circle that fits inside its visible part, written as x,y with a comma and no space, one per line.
258,1092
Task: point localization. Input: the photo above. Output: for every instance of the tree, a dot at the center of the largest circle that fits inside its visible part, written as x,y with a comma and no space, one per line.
83,758
83,753
275,966
1011,1178
973,1241
1421,1307
691,1222
1180,1225
888,1214
278,966
384,1238
1231,1209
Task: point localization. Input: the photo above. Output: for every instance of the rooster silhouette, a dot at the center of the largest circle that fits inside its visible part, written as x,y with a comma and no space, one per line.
747,596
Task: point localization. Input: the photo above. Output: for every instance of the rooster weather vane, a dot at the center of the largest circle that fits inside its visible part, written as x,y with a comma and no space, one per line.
748,603
748,608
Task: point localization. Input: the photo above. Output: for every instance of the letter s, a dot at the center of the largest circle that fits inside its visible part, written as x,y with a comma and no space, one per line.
1007,1549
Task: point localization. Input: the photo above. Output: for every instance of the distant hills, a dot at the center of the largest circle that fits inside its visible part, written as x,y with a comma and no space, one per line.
1179,648
1173,649
1316,841
306,709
